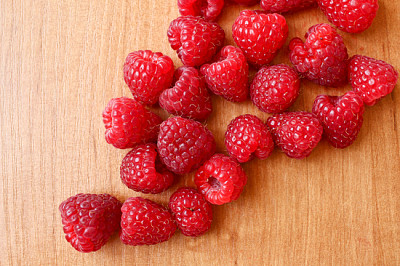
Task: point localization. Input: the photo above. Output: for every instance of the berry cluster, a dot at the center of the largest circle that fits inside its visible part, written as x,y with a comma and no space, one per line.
161,150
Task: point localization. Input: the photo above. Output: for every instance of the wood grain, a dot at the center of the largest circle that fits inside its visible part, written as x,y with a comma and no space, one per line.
61,61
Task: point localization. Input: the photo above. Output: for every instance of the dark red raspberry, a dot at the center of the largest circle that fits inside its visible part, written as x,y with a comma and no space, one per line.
296,133
246,2
229,75
275,88
191,211
259,35
195,40
341,117
371,79
147,74
189,97
142,171
90,219
350,16
184,144
145,222
283,6
247,136
322,58
221,179
208,9
128,123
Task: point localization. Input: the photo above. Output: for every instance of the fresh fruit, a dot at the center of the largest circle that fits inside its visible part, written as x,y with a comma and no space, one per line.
275,88
247,136
246,2
371,79
228,76
221,179
322,58
341,117
208,9
296,133
283,6
259,35
195,40
145,222
189,96
191,211
147,74
90,219
184,144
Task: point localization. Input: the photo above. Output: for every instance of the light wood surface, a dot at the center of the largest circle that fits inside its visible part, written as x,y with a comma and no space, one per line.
61,61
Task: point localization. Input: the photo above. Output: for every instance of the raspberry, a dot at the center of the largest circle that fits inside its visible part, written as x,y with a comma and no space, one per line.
142,171
184,145
371,79
145,222
341,117
189,97
128,123
90,219
248,136
259,35
221,179
246,2
191,211
275,88
147,74
195,39
208,9
228,76
296,133
322,58
350,16
283,6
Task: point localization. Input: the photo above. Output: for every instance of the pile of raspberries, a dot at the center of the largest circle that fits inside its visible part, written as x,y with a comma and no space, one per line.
161,150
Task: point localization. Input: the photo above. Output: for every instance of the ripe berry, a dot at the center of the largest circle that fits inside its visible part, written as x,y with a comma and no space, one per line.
208,9
283,6
246,2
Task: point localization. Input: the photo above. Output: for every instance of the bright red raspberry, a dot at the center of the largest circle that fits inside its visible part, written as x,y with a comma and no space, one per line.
283,6
296,133
221,179
322,58
275,88
246,2
191,211
259,35
189,96
184,144
90,219
350,16
208,9
145,222
229,75
147,74
142,170
195,39
152,127
247,136
341,117
371,79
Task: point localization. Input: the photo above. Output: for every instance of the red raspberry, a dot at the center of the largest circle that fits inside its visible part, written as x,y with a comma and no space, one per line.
229,75
191,211
371,79
283,6
184,145
221,179
296,133
208,9
147,74
90,219
350,16
259,35
145,222
128,123
341,117
195,39
275,88
322,58
246,2
189,97
248,136
142,171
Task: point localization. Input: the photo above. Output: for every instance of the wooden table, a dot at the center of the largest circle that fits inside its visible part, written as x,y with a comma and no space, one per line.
60,63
